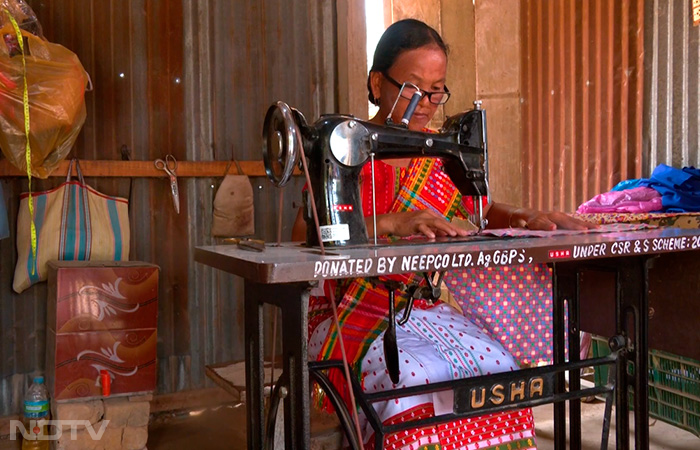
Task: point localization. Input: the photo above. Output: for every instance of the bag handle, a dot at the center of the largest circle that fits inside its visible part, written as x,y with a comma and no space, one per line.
238,167
85,210
77,170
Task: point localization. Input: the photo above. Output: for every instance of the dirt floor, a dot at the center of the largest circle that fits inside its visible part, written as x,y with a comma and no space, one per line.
662,436
219,428
224,428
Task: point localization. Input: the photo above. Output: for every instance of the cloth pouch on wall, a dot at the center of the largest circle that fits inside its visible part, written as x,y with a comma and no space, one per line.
74,222
4,226
234,214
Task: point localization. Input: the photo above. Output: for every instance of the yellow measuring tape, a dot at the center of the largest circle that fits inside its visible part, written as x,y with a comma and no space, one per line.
27,149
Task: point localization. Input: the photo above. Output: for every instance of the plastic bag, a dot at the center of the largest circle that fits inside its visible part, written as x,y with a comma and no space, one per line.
56,83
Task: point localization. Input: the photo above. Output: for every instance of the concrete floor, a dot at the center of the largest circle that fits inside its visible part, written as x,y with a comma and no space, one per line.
224,428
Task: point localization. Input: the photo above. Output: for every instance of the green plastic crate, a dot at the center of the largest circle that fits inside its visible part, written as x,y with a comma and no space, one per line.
674,386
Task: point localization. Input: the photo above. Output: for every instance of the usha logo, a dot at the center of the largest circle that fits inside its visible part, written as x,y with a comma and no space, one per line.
52,430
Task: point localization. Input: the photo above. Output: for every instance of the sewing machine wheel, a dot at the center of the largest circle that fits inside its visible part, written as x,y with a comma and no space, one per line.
280,143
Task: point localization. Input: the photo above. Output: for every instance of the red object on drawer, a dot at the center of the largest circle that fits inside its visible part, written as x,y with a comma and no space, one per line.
105,382
102,316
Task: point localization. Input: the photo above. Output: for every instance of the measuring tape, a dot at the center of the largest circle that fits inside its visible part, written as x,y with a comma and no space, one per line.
27,148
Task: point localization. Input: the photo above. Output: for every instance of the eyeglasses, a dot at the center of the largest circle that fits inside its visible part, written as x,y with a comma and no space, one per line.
435,97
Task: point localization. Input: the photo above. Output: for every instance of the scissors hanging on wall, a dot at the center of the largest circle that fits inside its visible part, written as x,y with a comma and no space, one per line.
169,166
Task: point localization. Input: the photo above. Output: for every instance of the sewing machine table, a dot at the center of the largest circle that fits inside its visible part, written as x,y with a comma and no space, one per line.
282,275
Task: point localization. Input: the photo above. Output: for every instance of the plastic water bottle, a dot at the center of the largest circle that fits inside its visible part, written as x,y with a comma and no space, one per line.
36,416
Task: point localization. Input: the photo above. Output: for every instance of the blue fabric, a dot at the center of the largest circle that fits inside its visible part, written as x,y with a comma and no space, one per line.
4,226
627,184
114,218
679,188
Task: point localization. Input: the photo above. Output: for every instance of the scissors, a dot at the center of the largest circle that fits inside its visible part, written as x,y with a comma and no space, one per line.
169,166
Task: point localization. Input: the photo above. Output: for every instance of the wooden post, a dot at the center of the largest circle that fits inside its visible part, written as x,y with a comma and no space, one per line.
352,58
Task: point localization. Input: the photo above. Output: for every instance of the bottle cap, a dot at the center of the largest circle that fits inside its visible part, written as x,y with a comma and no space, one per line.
39,380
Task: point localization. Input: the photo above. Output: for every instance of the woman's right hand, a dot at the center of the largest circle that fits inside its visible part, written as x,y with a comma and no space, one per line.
425,221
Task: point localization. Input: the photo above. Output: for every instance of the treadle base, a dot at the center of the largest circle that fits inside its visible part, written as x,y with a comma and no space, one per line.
326,433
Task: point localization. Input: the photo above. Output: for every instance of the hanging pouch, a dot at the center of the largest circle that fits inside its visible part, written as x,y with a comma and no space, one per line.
234,214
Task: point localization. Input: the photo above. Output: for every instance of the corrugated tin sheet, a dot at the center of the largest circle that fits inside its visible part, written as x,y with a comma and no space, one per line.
672,59
194,79
582,86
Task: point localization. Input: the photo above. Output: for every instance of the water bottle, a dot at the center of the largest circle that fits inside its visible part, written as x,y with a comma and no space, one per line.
36,416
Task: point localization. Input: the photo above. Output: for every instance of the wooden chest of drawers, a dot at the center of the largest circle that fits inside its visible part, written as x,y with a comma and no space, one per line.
101,316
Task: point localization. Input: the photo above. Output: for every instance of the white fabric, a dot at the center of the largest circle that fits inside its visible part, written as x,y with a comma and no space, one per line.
437,344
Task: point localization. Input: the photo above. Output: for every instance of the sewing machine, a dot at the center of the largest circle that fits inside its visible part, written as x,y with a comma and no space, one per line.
336,147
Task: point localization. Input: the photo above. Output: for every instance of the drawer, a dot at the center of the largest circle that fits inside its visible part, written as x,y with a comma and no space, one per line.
93,296
74,362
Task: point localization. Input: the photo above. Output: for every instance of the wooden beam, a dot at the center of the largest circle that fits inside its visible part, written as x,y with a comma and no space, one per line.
145,169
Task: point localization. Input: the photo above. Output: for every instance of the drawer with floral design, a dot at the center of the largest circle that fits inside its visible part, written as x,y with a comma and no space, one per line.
101,319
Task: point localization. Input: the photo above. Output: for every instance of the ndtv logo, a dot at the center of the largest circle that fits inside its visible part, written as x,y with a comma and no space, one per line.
38,432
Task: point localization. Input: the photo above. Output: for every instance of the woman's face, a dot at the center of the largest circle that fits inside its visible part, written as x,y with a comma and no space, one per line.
426,67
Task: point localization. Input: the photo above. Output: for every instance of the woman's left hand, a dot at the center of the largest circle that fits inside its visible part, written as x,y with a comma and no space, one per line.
548,221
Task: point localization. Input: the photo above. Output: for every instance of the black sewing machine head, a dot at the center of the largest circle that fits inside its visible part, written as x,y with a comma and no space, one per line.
337,146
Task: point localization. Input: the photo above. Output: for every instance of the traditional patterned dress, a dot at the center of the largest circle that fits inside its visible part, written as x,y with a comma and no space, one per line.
512,304
438,343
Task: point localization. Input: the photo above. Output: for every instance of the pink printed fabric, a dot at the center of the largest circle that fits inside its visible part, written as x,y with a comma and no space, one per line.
636,200
512,304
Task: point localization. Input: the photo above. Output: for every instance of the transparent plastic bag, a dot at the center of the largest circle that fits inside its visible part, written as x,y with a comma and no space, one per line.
56,83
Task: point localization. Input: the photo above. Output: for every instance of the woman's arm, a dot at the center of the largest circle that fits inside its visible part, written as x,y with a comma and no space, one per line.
501,215
425,221
432,224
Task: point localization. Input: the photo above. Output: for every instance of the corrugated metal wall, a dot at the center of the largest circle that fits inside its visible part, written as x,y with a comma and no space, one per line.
192,78
582,91
672,109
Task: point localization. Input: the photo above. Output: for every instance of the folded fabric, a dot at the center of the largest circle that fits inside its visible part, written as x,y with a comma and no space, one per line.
4,226
679,188
636,200
627,184
527,233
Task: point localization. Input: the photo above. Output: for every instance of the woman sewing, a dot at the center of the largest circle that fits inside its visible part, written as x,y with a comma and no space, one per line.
437,343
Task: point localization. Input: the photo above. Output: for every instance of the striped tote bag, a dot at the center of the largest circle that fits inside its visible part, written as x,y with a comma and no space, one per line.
73,222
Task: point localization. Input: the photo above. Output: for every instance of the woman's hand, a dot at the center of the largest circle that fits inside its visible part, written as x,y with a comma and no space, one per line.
426,222
548,221
501,215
